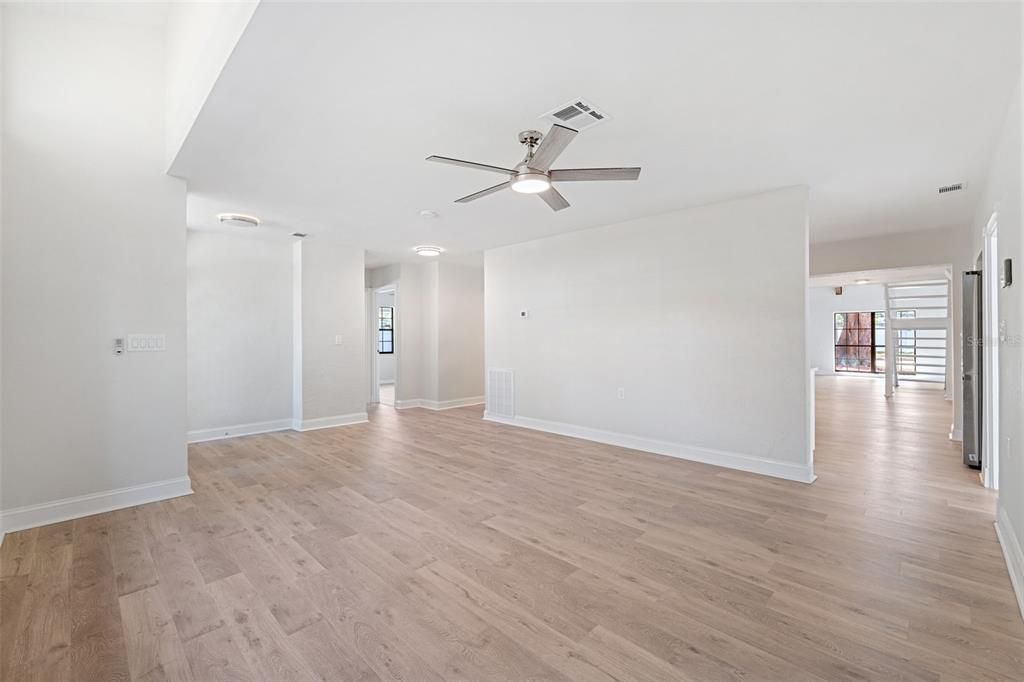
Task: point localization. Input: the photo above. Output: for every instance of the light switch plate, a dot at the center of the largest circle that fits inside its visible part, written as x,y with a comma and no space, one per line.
146,343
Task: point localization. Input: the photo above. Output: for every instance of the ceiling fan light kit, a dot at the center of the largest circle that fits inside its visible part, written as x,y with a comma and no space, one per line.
534,175
530,182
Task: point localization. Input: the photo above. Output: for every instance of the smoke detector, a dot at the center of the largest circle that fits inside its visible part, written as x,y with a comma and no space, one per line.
578,114
238,219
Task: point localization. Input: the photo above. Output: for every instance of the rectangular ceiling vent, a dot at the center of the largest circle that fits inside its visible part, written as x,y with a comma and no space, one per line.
579,114
952,188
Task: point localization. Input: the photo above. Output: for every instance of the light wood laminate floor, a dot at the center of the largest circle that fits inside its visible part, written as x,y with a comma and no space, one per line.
427,545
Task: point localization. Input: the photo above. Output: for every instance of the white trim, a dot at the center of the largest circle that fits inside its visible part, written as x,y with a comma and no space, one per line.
731,460
33,515
439,405
451,404
990,321
203,435
956,434
1012,554
328,422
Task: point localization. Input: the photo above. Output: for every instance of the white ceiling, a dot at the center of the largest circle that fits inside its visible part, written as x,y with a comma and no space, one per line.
322,117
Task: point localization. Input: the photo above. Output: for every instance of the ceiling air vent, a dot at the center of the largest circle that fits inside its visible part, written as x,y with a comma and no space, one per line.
579,114
952,188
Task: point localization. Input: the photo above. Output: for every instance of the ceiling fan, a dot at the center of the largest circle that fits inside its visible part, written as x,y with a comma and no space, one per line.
534,175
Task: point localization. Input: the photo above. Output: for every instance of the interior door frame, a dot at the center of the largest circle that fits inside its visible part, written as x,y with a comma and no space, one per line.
990,355
372,328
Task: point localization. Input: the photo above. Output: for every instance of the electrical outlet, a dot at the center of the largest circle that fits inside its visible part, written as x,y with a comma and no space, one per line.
622,393
337,340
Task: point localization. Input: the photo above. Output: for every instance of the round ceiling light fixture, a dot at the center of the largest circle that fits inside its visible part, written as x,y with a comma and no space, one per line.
428,251
429,214
238,219
530,182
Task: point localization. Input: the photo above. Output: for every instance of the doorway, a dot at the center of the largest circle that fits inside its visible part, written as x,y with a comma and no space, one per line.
386,347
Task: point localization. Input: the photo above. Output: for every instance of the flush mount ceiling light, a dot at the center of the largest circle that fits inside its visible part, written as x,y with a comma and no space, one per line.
429,251
861,281
238,219
429,214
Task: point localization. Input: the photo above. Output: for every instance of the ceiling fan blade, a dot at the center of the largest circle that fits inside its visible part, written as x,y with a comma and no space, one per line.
553,199
578,174
482,193
471,164
553,144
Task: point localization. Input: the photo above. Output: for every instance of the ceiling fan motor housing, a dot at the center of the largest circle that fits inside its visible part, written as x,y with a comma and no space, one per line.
530,138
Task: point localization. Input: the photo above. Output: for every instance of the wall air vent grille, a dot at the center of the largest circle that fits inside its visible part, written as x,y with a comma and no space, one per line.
500,393
951,188
579,114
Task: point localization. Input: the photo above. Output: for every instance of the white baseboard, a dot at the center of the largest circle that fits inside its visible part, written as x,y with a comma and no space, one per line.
328,422
1012,554
44,514
731,460
439,404
956,434
202,435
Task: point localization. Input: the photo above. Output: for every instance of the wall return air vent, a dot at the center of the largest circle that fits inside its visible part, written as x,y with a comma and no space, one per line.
952,188
578,114
501,393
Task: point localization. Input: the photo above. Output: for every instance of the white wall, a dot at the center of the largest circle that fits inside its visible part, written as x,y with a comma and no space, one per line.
824,304
239,331
2,138
460,310
896,250
93,249
333,320
199,38
1002,194
698,315
386,361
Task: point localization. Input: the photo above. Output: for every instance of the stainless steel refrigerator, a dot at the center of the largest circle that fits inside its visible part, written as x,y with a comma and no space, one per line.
972,367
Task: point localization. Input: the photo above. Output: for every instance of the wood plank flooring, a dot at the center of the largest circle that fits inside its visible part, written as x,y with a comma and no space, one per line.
429,546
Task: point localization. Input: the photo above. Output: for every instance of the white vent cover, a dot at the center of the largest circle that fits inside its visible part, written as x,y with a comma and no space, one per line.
578,114
952,188
500,393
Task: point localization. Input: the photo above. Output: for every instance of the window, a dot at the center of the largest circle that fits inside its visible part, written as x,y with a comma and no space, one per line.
385,329
860,342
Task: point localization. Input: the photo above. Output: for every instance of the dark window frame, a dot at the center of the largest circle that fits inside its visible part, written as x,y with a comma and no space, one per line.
876,367
385,332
